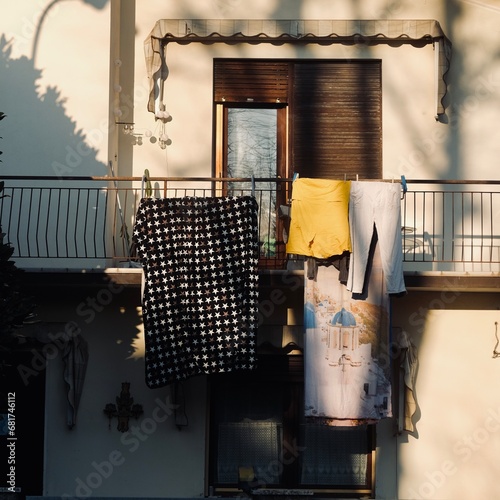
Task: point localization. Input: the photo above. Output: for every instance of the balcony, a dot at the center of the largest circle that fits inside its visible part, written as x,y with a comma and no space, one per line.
85,223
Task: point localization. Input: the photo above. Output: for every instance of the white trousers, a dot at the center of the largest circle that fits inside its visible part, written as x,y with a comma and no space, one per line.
376,205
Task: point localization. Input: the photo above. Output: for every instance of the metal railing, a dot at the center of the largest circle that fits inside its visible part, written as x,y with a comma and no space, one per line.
451,226
88,222
84,222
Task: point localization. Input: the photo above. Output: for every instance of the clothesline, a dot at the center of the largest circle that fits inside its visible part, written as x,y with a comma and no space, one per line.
271,179
491,182
146,181
357,178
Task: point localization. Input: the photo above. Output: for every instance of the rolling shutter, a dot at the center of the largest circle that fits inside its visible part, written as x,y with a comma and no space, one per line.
336,112
250,80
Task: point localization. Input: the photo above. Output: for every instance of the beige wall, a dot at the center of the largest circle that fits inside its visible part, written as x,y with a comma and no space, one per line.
55,89
154,458
451,454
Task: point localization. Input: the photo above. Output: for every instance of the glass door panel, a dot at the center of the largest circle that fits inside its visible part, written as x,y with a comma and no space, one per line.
252,152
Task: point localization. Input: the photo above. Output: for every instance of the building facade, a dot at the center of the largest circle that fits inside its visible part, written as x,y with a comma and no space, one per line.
98,93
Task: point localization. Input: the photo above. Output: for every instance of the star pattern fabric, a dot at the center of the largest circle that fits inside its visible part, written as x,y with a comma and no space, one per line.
200,298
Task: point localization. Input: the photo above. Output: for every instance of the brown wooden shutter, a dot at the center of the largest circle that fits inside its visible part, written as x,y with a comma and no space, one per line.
336,123
250,80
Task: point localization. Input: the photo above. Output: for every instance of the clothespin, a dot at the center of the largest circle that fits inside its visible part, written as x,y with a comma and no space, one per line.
253,185
404,186
295,176
146,185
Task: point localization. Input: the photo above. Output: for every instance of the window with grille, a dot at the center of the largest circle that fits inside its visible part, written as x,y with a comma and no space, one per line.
258,424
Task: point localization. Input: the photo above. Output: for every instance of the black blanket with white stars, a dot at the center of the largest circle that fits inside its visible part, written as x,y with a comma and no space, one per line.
200,299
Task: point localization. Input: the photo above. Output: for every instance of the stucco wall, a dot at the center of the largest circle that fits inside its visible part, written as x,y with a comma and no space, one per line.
451,454
55,88
154,458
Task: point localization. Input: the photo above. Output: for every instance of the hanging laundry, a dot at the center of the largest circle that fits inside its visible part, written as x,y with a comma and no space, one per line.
199,257
319,225
75,355
347,378
408,374
376,205
340,262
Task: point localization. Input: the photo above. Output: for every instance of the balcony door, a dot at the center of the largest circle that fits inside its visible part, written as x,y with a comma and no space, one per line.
253,149
277,118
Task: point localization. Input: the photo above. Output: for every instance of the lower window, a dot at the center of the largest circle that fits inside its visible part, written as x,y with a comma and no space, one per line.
261,442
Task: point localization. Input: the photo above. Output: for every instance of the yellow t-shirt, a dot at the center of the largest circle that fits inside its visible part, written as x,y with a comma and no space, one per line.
319,225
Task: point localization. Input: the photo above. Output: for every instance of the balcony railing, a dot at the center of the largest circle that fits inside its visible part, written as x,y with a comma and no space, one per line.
83,222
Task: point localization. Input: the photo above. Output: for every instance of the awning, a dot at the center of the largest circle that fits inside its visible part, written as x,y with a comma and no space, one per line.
392,32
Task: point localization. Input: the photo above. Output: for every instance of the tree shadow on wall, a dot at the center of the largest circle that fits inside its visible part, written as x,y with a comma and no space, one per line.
40,139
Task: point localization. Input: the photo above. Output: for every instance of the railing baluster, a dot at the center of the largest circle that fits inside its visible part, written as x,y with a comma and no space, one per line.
57,221
39,215
10,211
66,230
85,224
491,229
424,223
77,218
47,223
96,214
19,218
482,245
104,222
30,204
114,225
